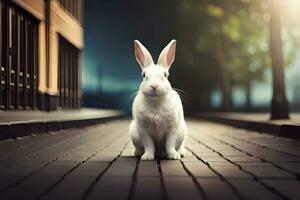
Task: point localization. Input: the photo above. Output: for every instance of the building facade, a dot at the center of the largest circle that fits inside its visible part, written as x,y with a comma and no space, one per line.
41,44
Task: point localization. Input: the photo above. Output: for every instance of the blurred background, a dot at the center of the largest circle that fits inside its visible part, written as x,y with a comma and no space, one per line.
228,52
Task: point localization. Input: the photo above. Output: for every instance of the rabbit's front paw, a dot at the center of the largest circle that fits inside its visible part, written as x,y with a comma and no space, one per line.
174,155
138,152
182,151
148,156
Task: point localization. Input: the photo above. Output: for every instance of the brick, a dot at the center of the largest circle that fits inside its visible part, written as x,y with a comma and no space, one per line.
127,159
190,159
200,170
181,188
289,188
112,188
121,169
233,153
89,169
70,188
56,169
100,158
21,169
30,188
216,189
221,163
73,158
7,181
243,159
282,159
252,190
208,154
294,167
264,152
209,159
231,172
148,168
148,188
268,172
253,164
172,168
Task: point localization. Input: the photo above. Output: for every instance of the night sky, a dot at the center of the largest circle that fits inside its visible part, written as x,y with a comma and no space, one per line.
110,28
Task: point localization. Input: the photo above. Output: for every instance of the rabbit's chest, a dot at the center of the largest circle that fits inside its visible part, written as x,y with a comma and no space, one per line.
158,121
157,117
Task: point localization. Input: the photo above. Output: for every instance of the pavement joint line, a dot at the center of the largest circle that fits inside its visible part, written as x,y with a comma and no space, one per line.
196,183
5,189
133,184
48,147
206,163
297,176
162,181
263,146
22,146
54,145
255,178
51,146
44,193
222,178
97,179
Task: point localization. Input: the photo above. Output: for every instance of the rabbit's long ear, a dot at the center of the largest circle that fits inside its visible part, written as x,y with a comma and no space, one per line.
142,55
167,56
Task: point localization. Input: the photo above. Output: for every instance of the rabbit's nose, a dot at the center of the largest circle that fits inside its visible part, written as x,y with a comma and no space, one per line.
153,86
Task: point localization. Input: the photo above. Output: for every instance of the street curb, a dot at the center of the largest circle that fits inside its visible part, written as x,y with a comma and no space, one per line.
290,131
285,130
15,130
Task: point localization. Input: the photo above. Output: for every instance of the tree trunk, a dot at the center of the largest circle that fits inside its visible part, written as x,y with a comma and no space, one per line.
224,77
224,83
205,95
279,105
248,96
227,96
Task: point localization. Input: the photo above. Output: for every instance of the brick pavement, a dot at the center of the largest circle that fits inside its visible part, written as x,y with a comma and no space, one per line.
96,162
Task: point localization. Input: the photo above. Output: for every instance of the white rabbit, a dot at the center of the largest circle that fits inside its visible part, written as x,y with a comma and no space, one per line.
158,126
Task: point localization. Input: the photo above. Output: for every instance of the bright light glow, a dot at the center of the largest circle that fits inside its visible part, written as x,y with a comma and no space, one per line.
290,22
291,11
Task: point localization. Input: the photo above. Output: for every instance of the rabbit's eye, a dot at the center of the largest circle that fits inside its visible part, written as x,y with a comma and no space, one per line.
144,76
165,74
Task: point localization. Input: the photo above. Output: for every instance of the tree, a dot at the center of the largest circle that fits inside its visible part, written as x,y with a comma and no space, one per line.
222,44
279,105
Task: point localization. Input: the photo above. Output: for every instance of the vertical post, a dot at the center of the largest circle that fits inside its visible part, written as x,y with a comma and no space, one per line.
75,78
279,105
1,51
36,61
25,68
47,30
59,73
42,56
80,56
8,56
17,58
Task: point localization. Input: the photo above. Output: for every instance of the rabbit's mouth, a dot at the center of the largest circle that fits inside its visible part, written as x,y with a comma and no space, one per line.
152,93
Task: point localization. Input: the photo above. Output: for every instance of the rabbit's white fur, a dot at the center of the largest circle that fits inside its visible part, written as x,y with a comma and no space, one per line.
158,125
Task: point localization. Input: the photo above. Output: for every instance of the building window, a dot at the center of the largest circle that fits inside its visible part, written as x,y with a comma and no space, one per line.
73,7
69,75
19,58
